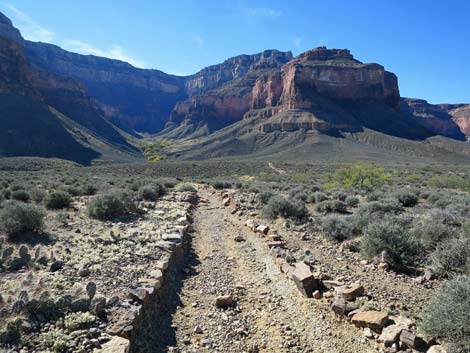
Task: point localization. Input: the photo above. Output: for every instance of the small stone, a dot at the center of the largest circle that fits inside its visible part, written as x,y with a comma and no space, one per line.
56,266
383,266
83,272
368,333
350,292
390,334
198,330
304,279
262,229
239,238
223,301
375,320
436,349
413,341
342,307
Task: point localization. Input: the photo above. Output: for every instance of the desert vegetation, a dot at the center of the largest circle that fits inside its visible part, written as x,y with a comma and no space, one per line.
409,221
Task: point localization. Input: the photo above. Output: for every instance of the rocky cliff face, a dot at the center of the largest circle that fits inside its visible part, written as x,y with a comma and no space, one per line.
330,73
30,98
221,94
461,116
235,68
437,118
143,98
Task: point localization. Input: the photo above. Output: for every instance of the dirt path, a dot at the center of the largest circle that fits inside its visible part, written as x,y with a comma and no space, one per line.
269,314
277,170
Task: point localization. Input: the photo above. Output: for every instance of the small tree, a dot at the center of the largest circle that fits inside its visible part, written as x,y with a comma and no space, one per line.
360,175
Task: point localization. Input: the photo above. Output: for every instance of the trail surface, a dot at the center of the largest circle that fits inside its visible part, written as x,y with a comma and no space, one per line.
268,314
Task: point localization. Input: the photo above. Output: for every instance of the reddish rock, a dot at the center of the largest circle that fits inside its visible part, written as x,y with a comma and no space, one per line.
375,320
304,279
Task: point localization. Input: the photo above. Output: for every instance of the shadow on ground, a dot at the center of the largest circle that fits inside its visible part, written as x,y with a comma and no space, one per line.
156,333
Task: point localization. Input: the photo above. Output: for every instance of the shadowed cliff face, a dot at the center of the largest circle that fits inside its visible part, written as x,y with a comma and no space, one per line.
28,127
142,98
439,118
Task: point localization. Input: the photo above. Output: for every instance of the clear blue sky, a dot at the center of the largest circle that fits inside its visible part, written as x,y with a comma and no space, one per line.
425,42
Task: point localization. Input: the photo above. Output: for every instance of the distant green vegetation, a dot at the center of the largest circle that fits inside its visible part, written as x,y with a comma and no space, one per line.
360,175
155,152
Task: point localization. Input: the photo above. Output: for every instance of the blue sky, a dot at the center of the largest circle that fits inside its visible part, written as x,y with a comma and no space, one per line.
426,43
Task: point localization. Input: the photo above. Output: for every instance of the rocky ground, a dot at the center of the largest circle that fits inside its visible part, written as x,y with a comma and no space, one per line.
239,284
93,271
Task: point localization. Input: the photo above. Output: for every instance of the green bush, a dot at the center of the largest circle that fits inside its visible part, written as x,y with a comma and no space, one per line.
20,195
451,257
89,190
337,228
18,217
447,316
280,206
218,184
407,198
390,237
352,201
431,233
320,196
361,176
151,192
110,205
38,195
332,206
58,199
185,187
264,196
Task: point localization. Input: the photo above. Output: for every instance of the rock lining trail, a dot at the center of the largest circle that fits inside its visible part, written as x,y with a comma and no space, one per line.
268,315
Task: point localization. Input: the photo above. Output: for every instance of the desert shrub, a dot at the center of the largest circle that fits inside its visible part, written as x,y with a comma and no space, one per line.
444,216
360,175
320,196
337,228
264,196
18,217
89,190
450,182
448,314
407,198
74,190
332,206
280,206
340,195
38,195
20,195
451,257
110,205
431,233
151,192
58,199
374,196
390,237
301,193
184,187
219,184
352,201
